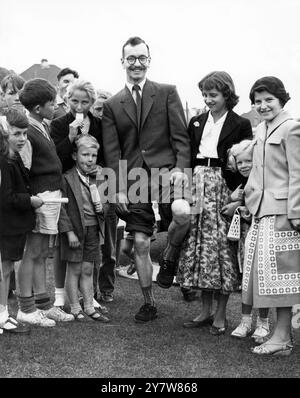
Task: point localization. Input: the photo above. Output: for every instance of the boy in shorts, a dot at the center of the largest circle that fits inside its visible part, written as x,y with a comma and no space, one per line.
45,178
81,225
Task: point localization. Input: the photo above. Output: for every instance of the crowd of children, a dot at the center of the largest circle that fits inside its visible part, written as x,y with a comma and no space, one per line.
48,200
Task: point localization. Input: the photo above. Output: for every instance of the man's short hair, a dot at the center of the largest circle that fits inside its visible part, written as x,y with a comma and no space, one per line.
67,71
134,41
13,81
86,140
36,92
17,118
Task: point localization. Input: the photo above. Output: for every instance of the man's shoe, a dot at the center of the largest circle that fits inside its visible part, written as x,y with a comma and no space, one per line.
199,324
166,273
58,315
146,313
15,327
107,297
37,318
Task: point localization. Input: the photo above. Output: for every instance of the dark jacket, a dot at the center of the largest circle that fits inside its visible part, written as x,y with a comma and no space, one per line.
16,213
161,141
234,130
72,217
59,131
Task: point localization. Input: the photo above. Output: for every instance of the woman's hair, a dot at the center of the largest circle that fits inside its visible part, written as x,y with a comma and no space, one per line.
222,82
4,145
272,85
86,140
237,149
13,82
82,85
36,92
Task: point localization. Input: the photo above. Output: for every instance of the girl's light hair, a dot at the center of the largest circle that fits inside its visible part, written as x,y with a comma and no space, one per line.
237,149
82,85
86,140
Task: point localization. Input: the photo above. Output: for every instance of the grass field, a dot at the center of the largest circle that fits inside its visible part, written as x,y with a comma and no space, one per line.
160,349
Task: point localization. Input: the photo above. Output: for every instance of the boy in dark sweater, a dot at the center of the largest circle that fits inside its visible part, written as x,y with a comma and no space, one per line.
38,97
16,207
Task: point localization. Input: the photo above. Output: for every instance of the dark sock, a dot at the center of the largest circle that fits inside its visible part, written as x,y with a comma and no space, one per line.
172,252
42,301
148,295
26,304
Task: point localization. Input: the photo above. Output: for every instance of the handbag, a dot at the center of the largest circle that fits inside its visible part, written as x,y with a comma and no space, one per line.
234,232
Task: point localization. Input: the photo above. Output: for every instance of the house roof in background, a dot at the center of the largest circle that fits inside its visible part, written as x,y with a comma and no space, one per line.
48,72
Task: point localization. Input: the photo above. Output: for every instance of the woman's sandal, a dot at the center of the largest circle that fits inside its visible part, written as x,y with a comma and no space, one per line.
282,349
80,316
97,316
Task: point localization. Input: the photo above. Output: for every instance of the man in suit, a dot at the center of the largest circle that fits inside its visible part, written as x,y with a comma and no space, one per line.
144,125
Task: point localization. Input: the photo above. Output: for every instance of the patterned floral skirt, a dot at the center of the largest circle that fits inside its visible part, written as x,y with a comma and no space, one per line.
271,275
208,260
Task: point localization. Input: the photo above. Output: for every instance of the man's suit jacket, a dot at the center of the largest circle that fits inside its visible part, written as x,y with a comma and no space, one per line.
59,131
274,183
234,130
162,140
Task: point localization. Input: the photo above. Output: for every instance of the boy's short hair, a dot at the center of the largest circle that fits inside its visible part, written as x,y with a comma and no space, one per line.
4,145
67,71
102,94
237,149
17,118
12,81
86,140
36,92
82,85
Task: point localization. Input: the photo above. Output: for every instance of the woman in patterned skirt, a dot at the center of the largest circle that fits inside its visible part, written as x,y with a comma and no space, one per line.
208,260
272,259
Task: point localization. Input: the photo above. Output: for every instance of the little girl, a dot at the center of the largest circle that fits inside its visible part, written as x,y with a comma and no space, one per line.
240,160
16,207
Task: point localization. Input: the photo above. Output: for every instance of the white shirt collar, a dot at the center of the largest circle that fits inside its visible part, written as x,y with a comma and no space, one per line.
220,121
141,84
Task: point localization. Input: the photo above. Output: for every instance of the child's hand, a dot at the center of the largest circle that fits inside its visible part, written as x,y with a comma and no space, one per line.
245,214
98,207
36,202
73,240
73,132
238,194
229,209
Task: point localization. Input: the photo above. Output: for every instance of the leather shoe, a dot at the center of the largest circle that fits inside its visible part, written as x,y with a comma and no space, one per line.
198,324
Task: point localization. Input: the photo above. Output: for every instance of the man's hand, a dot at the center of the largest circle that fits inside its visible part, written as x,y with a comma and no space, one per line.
238,194
73,240
98,207
295,224
122,201
73,129
36,202
178,178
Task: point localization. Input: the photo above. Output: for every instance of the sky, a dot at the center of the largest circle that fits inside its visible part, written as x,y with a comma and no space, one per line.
187,40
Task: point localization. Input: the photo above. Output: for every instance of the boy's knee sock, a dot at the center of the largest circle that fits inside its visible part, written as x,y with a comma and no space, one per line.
59,297
148,295
42,301
3,314
172,252
26,304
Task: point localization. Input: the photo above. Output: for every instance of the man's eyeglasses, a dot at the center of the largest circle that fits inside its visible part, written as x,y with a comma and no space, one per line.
132,59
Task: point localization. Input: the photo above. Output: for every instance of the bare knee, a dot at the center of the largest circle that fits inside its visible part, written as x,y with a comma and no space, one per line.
87,269
141,244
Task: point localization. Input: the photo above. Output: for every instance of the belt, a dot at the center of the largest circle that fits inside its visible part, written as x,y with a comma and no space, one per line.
210,162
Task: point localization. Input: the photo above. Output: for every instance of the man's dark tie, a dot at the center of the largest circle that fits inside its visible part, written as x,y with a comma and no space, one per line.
138,102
